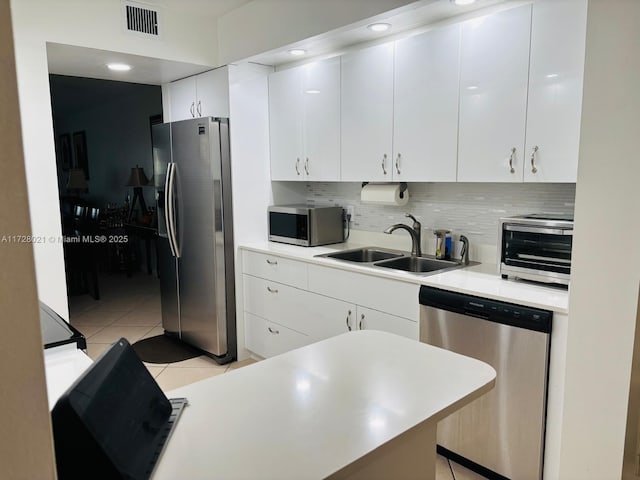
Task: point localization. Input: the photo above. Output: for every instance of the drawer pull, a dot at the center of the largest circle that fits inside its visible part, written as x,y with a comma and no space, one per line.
348,320
272,290
275,332
361,324
272,262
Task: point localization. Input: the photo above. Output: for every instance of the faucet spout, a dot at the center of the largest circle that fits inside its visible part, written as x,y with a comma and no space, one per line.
416,249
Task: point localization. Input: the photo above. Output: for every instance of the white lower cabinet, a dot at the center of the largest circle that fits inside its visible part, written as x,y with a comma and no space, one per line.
281,317
268,339
368,319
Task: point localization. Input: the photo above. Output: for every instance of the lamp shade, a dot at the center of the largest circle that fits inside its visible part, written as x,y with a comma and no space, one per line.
137,178
77,180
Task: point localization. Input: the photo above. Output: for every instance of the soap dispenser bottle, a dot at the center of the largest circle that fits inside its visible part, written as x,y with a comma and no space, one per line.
443,243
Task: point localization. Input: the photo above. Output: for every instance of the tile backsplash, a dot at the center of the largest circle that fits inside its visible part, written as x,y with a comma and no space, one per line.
472,209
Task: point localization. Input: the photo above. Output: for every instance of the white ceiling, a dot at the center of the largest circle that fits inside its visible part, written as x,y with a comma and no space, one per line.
90,63
404,19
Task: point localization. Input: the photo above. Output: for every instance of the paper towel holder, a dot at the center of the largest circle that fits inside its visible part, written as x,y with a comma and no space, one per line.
403,188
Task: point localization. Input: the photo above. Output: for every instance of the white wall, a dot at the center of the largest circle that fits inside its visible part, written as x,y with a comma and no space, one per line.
188,37
606,255
263,25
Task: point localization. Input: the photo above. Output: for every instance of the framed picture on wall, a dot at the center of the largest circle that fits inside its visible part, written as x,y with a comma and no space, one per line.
64,151
80,150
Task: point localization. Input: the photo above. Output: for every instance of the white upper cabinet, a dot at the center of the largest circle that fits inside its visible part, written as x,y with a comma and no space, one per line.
204,95
555,90
321,121
304,119
494,64
182,97
367,114
285,125
212,91
425,127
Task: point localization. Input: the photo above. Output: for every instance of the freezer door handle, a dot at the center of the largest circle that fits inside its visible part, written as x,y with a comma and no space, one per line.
170,209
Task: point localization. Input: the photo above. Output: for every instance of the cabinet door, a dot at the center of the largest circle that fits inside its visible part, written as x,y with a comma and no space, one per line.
367,114
368,319
328,317
212,89
285,125
182,97
321,120
425,127
494,63
555,90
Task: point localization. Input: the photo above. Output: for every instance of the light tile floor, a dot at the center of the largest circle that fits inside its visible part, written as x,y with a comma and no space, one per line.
130,308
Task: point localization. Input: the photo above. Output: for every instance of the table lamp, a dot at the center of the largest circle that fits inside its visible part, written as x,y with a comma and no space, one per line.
77,182
137,180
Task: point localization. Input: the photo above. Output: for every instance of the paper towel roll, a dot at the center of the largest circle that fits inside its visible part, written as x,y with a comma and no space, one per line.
385,194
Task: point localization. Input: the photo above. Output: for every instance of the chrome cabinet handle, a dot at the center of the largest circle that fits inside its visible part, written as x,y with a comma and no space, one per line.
272,262
348,322
384,160
193,113
361,324
275,332
398,164
272,290
306,166
199,108
297,166
534,150
513,154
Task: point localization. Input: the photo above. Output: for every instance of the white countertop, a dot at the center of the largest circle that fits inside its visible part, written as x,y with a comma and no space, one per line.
312,411
63,365
481,280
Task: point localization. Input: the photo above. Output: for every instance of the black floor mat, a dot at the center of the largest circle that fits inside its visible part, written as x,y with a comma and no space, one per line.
164,349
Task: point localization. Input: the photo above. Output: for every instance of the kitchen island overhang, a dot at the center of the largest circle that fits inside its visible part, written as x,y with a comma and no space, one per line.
360,405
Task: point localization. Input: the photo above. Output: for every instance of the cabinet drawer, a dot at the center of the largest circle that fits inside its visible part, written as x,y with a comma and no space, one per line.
267,339
273,267
276,302
368,319
386,295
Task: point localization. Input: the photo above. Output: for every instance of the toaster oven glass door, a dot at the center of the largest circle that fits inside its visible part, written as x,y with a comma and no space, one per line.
544,250
288,225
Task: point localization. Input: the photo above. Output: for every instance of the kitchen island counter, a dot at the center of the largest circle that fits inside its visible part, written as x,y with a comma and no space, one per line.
360,405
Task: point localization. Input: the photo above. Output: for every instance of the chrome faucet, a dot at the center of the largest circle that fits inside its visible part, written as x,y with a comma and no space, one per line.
464,254
414,231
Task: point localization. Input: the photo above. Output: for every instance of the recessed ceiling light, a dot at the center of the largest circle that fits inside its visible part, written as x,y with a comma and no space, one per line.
312,91
552,75
379,27
463,2
472,87
119,67
297,51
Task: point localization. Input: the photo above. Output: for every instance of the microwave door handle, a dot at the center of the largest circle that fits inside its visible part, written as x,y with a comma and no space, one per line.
547,231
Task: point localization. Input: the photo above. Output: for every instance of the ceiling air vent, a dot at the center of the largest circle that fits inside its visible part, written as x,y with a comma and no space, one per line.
140,18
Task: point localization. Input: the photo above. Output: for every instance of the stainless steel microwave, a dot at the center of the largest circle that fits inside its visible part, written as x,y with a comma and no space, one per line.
536,247
305,225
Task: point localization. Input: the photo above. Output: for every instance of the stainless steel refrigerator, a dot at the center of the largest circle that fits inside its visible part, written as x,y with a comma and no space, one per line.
192,177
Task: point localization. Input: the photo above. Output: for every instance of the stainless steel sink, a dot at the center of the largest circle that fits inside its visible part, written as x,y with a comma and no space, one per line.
418,264
363,255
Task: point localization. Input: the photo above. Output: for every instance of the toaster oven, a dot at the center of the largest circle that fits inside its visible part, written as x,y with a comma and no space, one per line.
536,247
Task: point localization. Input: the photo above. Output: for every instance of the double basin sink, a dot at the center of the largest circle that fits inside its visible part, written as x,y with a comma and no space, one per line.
395,260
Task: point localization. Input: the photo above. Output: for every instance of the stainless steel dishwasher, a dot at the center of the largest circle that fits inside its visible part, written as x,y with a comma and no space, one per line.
501,434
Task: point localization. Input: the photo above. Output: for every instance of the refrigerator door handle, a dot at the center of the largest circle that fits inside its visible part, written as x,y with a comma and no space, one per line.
169,207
